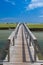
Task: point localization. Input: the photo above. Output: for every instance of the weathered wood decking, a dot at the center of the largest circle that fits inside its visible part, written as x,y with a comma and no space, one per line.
19,53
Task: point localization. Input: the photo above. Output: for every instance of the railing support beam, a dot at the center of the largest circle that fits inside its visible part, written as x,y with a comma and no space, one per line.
29,40
9,51
13,41
35,41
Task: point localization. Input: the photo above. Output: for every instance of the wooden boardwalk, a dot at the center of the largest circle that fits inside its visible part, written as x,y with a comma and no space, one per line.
19,54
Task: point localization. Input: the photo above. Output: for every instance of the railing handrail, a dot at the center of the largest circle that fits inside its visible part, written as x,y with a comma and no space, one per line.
32,40
14,32
32,36
30,33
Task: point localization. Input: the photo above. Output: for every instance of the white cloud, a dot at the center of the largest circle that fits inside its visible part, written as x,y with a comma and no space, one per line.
11,2
41,16
34,4
34,0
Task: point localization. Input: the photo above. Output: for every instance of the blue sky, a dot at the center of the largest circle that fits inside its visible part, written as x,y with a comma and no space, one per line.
21,11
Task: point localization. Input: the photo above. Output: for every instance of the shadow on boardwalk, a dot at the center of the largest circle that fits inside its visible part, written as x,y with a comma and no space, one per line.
23,48
31,59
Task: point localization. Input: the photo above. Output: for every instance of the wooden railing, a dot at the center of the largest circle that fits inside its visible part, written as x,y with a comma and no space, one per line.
12,38
32,39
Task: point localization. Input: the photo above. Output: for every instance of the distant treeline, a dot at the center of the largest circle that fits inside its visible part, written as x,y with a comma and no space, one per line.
35,27
7,26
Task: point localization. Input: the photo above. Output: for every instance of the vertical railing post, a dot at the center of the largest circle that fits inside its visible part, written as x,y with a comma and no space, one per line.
26,34
9,50
35,41
29,40
13,41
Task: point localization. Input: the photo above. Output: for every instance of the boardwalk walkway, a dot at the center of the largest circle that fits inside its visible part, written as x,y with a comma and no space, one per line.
19,53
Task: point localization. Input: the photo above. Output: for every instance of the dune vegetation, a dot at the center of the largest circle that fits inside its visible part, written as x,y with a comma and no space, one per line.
35,25
7,26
